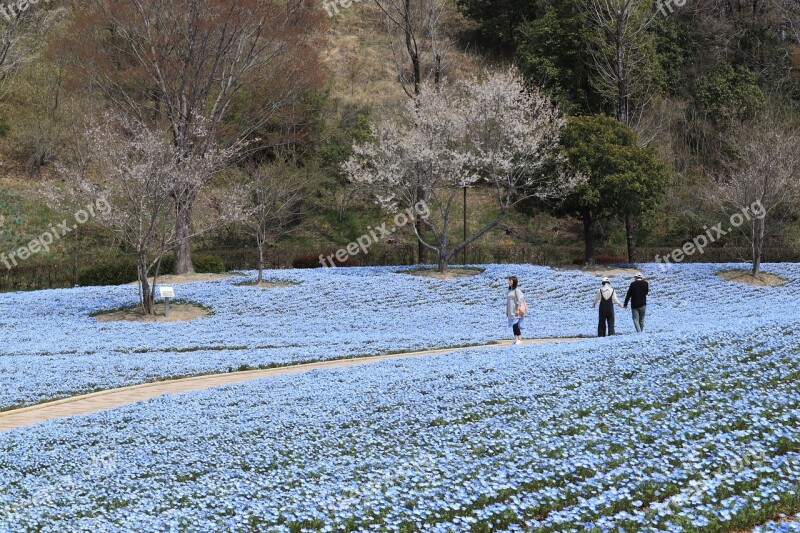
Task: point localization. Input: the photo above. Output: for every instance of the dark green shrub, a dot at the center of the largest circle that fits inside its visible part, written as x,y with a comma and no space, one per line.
208,264
117,273
167,265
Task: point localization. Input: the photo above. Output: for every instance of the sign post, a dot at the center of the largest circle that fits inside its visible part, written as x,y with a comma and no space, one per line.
166,294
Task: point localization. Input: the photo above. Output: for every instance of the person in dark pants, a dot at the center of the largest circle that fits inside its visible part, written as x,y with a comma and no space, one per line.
637,296
515,311
607,297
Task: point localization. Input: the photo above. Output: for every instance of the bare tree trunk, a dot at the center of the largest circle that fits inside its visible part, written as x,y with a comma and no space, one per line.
404,20
183,230
260,263
442,261
145,292
76,270
623,116
758,246
631,231
588,237
622,91
411,46
422,251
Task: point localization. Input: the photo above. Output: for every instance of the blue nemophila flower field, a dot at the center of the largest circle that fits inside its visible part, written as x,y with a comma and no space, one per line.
53,347
694,426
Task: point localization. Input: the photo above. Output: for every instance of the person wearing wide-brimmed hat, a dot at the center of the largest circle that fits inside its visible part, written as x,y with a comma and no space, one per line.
607,297
637,296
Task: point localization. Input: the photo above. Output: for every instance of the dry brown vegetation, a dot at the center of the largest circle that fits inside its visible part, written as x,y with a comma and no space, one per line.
177,313
451,273
763,279
360,61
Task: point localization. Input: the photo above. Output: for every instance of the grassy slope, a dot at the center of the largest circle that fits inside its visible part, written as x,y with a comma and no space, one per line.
362,73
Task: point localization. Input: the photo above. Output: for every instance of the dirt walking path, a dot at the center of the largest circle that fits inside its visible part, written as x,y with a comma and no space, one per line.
100,401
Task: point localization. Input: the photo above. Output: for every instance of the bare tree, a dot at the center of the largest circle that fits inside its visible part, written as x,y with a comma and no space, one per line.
414,32
135,168
619,55
492,131
762,181
22,35
199,59
623,62
789,13
275,194
416,24
353,65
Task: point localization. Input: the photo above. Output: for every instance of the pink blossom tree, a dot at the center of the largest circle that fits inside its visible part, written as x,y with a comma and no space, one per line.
493,133
135,169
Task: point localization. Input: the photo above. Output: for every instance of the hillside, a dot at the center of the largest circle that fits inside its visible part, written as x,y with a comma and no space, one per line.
44,101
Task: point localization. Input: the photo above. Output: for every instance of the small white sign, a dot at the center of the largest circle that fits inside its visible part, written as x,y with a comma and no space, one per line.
167,292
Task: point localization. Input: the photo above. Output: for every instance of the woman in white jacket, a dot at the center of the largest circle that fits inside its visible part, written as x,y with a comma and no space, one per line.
515,308
607,297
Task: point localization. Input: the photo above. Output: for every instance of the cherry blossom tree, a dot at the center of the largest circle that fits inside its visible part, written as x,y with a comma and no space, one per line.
492,132
419,49
135,169
238,63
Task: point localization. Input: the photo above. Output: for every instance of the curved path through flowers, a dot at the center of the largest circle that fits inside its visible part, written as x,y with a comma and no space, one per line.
108,399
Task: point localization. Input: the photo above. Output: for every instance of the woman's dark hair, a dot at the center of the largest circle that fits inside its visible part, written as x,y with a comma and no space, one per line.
514,282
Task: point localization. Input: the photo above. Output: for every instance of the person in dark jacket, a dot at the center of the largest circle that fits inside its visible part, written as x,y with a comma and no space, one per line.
607,297
637,296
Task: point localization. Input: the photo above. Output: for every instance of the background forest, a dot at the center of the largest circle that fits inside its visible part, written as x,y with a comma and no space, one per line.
665,106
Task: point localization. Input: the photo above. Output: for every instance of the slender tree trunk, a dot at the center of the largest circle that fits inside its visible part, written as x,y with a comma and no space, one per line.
184,205
260,263
588,237
622,90
411,47
442,261
758,246
416,68
145,296
76,270
631,231
422,251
